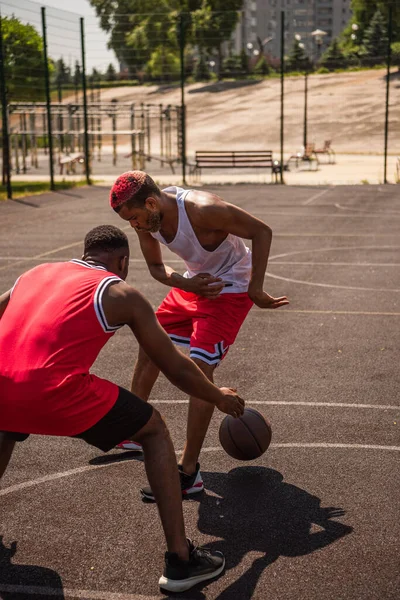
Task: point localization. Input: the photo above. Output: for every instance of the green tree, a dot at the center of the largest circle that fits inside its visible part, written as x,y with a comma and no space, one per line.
396,54
62,73
201,70
298,59
138,28
375,39
262,67
77,77
111,73
333,57
213,23
163,65
23,60
364,10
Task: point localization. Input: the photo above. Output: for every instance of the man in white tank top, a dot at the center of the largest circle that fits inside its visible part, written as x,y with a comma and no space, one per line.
207,305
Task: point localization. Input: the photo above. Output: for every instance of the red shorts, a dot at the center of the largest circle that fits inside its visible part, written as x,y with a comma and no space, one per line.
207,326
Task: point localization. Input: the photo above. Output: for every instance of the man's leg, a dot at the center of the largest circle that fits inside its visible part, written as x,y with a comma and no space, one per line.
199,417
160,464
6,450
145,375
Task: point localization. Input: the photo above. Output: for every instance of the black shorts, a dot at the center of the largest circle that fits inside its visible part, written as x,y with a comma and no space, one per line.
128,415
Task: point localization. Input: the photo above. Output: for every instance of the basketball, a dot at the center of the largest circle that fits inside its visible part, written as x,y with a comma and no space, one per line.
246,437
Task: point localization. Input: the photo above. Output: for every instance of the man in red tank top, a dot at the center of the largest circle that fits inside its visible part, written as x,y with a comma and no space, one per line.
53,324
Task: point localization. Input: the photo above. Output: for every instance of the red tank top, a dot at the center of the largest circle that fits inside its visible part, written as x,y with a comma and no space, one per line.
50,335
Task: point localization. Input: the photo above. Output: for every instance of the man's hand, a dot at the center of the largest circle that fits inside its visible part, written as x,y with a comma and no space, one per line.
204,284
264,300
231,403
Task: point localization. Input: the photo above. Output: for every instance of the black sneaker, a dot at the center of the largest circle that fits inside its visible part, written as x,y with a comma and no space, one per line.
180,575
190,484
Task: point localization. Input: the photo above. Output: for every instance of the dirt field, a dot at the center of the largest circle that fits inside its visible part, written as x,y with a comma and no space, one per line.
348,108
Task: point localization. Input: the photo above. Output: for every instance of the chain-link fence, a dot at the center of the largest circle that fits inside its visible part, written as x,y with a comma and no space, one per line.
304,92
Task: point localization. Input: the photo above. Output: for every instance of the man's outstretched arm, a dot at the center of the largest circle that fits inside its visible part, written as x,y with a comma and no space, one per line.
125,305
211,212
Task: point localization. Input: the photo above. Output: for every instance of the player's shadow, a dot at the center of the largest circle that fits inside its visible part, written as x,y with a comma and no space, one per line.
20,581
256,511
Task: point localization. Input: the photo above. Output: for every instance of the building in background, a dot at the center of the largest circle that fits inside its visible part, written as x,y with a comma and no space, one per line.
260,20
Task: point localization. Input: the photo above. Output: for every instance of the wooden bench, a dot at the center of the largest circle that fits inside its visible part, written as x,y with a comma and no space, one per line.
70,161
234,159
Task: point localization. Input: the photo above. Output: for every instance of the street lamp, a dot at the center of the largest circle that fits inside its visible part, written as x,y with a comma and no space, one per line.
319,35
256,52
355,28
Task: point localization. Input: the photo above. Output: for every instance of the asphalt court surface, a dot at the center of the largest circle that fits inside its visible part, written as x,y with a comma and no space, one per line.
317,516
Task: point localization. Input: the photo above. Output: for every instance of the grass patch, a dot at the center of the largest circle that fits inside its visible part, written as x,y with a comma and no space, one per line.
32,188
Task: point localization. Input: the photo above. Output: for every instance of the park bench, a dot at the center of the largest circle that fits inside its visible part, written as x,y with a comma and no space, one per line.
327,149
69,161
307,154
234,159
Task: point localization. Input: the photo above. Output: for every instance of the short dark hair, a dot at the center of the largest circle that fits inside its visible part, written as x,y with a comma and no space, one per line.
105,238
132,188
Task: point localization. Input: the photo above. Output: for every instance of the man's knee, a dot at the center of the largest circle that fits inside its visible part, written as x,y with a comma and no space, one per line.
155,426
207,369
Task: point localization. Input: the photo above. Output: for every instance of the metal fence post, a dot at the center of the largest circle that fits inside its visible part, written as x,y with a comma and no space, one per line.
282,86
48,98
389,56
85,108
183,108
6,175
305,109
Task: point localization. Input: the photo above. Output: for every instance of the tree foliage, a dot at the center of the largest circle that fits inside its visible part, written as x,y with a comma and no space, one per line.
333,57
23,60
298,59
143,31
364,10
375,39
111,73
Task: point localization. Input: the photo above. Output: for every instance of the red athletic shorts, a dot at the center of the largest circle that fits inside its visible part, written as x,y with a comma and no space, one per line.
207,326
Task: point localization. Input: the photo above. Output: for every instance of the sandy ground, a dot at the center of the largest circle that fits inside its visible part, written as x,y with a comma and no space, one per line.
348,108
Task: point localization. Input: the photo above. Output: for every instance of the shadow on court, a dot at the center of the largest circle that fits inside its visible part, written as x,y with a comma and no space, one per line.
18,582
259,512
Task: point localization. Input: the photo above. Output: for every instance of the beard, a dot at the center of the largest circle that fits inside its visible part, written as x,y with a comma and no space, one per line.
153,224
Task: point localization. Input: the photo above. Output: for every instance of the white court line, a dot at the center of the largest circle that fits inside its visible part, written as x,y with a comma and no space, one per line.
331,285
54,476
364,313
334,235
36,590
335,264
318,195
276,262
368,212
49,252
341,248
299,403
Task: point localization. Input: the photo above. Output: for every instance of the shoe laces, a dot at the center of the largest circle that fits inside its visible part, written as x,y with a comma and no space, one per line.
197,552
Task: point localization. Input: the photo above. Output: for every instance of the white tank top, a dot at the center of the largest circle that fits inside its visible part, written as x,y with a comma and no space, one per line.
231,260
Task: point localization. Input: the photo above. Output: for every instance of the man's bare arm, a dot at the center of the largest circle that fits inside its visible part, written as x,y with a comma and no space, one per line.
164,274
209,211
4,300
125,305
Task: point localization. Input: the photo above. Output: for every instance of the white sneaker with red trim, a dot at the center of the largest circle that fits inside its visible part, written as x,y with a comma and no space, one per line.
129,445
